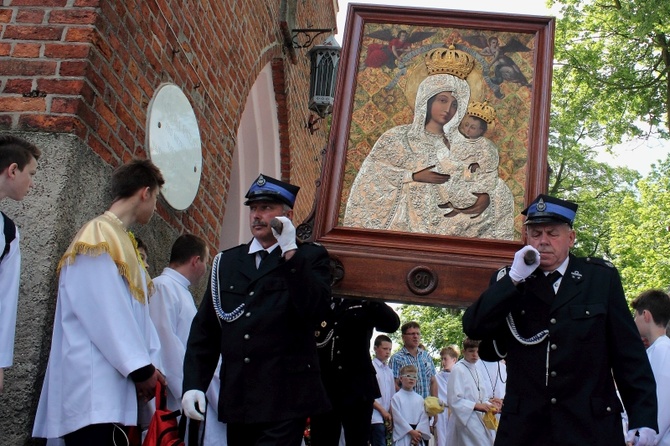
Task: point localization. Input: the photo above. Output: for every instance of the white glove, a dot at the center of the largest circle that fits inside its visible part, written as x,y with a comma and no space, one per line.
647,436
520,270
188,404
287,237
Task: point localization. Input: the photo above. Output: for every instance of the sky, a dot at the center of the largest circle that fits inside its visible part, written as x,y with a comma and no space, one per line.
638,155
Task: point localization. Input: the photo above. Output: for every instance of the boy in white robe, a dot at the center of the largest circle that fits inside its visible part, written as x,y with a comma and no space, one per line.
172,308
467,401
652,314
18,165
449,357
410,421
104,352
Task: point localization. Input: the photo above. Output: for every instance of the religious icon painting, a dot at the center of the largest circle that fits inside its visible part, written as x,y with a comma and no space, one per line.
439,137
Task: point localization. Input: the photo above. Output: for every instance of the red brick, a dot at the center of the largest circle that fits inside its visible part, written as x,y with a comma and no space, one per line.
103,46
31,50
30,15
89,117
19,103
126,137
67,105
105,113
5,49
13,67
27,32
5,15
6,121
73,68
60,86
125,117
67,50
73,16
47,3
102,150
97,83
50,123
80,34
18,86
104,132
86,3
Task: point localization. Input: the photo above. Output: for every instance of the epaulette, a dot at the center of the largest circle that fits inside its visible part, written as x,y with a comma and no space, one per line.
599,261
233,248
502,272
300,242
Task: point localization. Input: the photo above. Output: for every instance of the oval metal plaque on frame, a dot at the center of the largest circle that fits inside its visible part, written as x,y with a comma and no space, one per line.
421,280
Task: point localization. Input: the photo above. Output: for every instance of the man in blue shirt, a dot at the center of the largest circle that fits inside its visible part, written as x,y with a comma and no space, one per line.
411,354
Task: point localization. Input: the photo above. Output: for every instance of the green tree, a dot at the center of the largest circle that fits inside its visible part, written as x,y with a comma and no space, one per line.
617,55
439,327
640,239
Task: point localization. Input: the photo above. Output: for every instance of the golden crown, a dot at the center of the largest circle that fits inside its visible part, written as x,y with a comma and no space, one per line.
449,61
482,110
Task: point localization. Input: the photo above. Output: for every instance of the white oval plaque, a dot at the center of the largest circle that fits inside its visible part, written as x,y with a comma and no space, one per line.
173,139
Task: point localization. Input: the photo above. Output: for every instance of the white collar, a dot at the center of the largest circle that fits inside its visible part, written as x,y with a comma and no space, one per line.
256,246
176,276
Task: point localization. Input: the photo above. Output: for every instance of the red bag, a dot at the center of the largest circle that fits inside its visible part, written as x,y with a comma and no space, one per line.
164,427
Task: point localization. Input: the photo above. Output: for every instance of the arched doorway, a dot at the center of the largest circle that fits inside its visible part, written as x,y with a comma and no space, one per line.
257,151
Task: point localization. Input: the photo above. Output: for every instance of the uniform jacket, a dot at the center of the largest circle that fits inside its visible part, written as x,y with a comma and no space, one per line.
344,348
270,370
591,340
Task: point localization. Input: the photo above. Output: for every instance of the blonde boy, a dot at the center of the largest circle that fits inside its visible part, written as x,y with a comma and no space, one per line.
410,422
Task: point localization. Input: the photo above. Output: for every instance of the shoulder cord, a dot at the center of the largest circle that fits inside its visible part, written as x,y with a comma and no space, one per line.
216,297
500,374
493,383
475,379
533,340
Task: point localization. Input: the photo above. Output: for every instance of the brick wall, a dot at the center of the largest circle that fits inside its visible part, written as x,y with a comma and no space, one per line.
90,68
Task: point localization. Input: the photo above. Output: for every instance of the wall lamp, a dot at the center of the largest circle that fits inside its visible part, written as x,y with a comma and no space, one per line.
324,60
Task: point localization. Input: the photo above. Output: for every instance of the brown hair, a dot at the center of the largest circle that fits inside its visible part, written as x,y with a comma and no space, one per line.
133,176
16,150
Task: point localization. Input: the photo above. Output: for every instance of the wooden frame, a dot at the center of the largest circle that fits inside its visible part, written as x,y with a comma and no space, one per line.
415,266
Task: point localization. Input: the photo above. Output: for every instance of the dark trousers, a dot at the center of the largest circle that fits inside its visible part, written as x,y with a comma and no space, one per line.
378,434
108,434
280,433
354,418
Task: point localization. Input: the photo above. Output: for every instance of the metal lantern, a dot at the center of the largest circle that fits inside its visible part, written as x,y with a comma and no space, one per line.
324,60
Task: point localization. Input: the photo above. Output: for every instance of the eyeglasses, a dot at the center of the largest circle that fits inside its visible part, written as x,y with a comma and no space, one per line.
408,376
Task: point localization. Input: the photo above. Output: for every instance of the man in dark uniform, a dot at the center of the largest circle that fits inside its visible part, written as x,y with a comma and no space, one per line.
263,303
343,340
566,340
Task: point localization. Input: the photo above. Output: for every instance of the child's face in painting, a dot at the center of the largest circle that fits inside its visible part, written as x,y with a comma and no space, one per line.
471,127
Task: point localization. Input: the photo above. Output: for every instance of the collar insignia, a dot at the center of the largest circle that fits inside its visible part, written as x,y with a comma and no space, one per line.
576,275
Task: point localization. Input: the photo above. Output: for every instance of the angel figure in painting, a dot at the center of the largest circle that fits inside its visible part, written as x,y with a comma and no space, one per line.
501,67
388,55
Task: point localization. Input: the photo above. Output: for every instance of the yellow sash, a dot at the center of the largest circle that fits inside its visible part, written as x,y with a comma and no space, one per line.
106,234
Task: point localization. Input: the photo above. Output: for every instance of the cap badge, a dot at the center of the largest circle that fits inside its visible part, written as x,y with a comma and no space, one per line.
260,181
541,205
